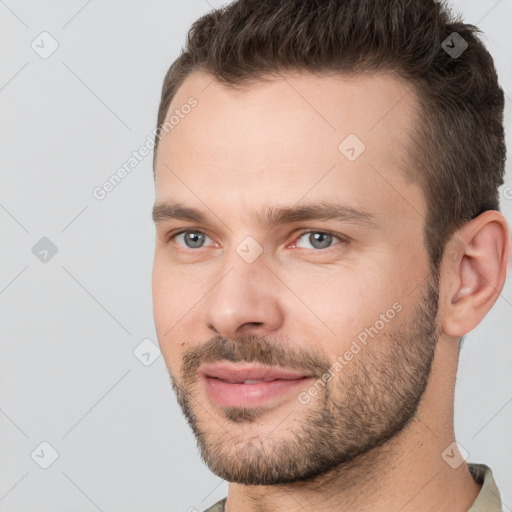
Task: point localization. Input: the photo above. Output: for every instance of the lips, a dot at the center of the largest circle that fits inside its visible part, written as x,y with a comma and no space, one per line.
234,375
230,386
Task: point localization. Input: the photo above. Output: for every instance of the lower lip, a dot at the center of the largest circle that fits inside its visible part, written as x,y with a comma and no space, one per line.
227,394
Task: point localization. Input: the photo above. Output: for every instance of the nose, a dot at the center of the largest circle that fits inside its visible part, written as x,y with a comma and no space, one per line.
245,299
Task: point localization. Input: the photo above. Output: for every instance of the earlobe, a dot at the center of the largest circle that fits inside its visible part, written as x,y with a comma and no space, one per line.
474,272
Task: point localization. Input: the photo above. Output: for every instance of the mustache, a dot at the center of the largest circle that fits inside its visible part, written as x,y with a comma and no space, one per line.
253,349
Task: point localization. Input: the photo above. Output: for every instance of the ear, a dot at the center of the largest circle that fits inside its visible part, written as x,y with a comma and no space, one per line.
473,272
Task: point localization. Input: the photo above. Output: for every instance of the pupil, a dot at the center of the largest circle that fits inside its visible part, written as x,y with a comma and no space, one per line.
320,240
194,240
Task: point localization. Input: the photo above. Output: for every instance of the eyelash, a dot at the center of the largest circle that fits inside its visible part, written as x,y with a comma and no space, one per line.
343,240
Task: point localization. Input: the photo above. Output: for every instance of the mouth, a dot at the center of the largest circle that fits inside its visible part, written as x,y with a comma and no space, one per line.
248,386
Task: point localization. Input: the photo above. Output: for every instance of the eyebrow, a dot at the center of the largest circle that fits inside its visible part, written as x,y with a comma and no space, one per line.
275,216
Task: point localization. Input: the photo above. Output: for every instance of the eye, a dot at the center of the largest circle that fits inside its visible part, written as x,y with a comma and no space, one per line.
317,240
190,239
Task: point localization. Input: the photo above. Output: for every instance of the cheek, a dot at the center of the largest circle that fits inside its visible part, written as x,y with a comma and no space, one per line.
342,302
162,295
170,301
173,293
175,308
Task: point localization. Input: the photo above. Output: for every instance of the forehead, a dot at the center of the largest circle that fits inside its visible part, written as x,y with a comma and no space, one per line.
289,136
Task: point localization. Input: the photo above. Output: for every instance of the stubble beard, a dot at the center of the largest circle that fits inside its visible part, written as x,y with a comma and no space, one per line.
367,404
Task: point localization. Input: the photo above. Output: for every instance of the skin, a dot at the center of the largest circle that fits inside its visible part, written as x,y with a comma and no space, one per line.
275,144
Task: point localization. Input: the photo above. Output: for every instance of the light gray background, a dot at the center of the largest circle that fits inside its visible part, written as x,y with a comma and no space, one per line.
69,376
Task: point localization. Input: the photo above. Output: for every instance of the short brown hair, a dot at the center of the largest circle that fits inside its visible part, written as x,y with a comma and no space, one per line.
458,151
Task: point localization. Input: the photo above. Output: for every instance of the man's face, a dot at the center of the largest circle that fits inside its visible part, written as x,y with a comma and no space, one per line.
307,259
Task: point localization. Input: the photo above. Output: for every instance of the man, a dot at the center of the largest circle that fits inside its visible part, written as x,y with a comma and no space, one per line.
328,230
